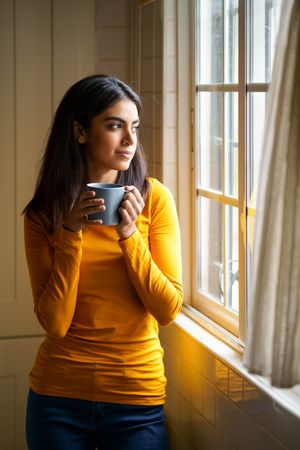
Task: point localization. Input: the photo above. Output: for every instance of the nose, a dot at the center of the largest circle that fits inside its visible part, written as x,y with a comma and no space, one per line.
128,137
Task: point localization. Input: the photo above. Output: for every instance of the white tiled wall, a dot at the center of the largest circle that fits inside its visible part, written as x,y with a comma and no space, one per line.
150,81
113,44
170,97
129,46
211,407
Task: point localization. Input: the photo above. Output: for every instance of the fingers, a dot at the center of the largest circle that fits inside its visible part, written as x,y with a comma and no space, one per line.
87,204
132,206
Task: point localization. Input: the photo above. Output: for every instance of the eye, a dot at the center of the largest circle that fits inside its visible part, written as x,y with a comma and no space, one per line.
114,126
135,128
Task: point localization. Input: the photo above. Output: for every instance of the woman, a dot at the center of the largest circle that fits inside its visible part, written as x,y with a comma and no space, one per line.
99,291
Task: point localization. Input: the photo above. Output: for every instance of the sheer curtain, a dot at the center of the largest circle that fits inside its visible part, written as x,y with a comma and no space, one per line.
273,341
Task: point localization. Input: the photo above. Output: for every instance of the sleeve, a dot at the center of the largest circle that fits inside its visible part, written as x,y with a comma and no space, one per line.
53,262
156,271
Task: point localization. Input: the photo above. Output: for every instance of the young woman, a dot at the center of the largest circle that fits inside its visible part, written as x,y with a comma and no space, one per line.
99,291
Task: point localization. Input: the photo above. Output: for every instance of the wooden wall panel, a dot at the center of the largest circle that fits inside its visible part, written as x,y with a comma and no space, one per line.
73,43
16,359
45,45
7,156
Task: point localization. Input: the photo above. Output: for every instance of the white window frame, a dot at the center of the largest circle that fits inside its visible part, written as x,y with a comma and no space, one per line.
213,316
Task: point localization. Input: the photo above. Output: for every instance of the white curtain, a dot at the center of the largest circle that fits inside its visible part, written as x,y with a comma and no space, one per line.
273,338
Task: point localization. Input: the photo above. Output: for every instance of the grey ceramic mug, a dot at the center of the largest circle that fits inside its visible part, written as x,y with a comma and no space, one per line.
113,195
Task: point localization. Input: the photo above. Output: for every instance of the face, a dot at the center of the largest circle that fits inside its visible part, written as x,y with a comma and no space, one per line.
111,141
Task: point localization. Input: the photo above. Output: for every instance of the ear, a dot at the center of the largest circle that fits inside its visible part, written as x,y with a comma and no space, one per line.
79,133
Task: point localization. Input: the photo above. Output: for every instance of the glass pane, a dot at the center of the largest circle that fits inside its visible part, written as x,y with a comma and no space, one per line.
210,132
231,41
250,235
256,111
231,143
264,23
217,28
232,256
210,249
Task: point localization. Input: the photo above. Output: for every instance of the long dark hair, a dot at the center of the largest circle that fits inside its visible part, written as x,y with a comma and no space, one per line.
63,173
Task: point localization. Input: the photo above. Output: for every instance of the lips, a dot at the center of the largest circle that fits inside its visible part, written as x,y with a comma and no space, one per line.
125,154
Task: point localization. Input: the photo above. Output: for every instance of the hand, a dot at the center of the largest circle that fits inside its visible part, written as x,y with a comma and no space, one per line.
130,209
85,205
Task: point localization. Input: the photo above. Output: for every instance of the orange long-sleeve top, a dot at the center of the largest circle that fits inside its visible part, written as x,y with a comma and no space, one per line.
100,300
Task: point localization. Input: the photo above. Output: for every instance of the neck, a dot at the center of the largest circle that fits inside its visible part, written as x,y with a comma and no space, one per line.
98,175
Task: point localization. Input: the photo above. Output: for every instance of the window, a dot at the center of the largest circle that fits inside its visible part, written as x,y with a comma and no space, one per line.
233,53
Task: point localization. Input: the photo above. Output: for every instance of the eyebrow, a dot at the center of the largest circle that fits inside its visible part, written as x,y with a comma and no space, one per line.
119,119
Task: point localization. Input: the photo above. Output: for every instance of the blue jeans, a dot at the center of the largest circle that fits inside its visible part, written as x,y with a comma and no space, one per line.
59,423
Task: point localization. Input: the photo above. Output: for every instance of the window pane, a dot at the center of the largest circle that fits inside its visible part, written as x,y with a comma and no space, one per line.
256,111
232,263
250,235
210,249
217,26
231,41
231,143
264,22
210,132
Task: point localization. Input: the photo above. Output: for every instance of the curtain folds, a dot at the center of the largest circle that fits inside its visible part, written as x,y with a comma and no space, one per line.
273,339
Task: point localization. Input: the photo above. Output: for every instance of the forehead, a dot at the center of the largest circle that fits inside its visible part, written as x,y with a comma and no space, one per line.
124,109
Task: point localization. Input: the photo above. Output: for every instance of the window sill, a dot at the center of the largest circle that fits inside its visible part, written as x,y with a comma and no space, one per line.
231,353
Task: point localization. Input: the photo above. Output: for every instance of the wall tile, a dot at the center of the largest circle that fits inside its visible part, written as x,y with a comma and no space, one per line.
173,405
147,40
196,388
158,70
171,70
158,38
147,139
209,401
287,428
186,379
209,366
256,437
250,392
157,143
229,420
261,410
158,10
170,178
184,444
158,107
174,436
148,102
192,352
223,444
171,336
186,425
172,367
147,76
197,429
235,387
170,145
157,171
171,37
208,437
171,110
147,13
221,377
170,10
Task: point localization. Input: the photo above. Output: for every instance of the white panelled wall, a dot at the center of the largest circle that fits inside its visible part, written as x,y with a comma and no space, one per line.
44,47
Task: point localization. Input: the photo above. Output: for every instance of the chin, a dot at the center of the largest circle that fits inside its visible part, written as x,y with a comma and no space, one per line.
122,167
